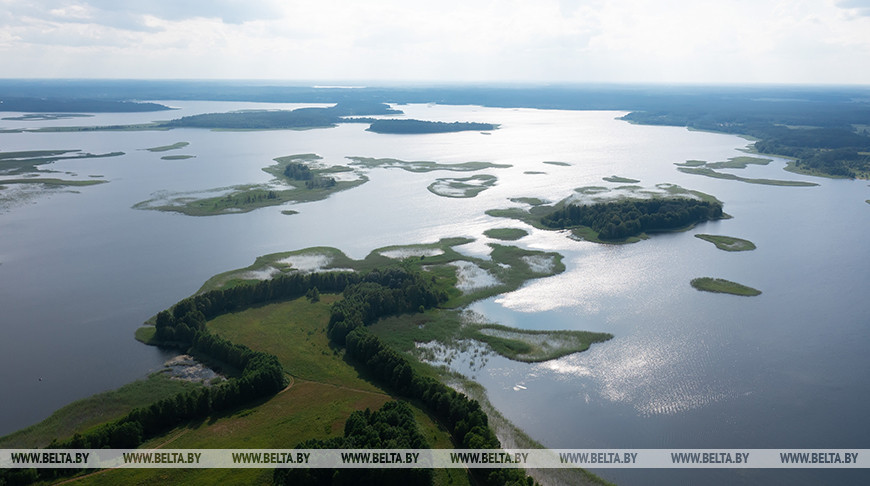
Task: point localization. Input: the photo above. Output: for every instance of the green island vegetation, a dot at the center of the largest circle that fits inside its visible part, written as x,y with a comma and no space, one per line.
453,329
304,368
177,157
289,212
531,201
423,166
534,172
506,234
739,162
50,182
622,180
166,148
301,183
691,163
719,285
728,243
45,116
561,164
422,126
700,167
462,187
622,215
24,162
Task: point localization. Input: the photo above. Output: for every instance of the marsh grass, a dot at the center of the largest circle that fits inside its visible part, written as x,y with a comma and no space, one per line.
719,285
728,243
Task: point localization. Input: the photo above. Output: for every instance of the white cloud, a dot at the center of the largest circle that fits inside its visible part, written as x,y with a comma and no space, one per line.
459,40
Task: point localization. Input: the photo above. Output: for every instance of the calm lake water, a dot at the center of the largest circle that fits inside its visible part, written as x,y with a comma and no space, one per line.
80,271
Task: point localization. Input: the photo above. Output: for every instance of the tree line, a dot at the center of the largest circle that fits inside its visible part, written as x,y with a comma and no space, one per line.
391,427
364,304
631,217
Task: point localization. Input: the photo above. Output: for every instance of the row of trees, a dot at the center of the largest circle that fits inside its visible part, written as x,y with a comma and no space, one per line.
261,376
462,416
631,217
397,293
382,293
177,325
391,427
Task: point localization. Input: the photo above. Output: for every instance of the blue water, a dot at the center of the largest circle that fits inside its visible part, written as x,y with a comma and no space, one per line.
79,271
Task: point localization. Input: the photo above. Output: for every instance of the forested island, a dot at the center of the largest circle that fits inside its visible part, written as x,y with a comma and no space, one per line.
422,126
299,118
631,217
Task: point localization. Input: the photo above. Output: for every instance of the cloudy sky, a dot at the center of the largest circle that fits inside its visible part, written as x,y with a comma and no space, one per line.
691,41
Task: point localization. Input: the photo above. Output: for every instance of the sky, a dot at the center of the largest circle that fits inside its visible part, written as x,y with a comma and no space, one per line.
534,41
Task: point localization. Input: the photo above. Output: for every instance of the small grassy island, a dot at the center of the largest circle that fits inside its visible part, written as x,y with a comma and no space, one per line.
506,234
722,286
728,243
462,187
621,180
166,148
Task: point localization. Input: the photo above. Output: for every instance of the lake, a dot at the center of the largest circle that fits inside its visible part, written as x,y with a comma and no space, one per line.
80,271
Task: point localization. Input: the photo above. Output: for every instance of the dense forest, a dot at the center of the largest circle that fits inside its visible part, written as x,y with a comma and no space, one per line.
631,217
391,427
421,126
301,172
821,137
